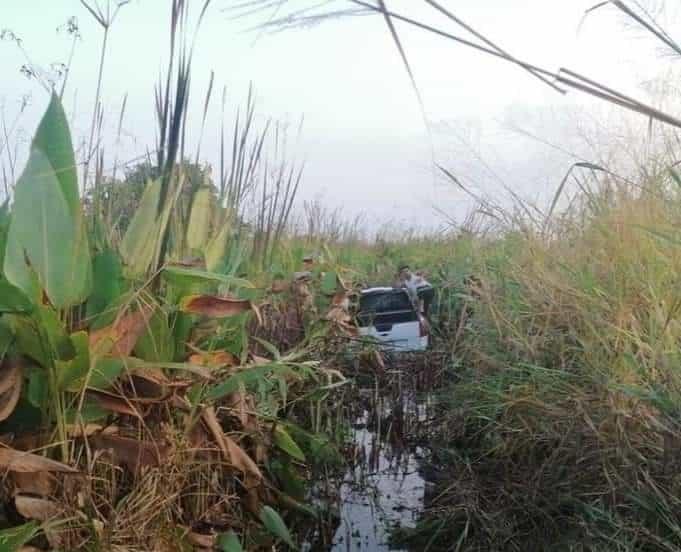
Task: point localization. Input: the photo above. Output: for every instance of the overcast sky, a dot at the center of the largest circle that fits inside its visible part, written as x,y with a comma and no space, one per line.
364,138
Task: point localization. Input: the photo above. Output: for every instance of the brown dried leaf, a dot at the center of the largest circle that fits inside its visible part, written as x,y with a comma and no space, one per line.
217,306
41,483
252,500
197,436
120,338
10,398
28,441
261,452
114,403
26,462
37,508
211,420
214,359
341,299
232,452
202,541
132,453
10,372
338,315
242,405
152,383
242,461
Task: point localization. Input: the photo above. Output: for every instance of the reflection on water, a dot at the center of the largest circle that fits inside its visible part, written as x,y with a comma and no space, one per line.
382,489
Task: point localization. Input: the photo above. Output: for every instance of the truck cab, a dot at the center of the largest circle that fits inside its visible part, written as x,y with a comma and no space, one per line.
389,316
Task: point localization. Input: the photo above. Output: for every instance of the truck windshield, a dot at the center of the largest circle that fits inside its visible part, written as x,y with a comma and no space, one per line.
390,307
391,301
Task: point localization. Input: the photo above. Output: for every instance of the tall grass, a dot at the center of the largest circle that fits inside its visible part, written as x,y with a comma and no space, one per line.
564,430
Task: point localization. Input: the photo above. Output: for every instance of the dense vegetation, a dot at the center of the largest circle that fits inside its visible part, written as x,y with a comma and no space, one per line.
158,387
562,431
170,374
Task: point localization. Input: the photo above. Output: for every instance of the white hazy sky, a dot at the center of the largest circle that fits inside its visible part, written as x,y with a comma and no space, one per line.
364,139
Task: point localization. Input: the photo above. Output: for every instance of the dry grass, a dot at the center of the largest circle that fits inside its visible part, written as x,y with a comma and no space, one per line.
565,432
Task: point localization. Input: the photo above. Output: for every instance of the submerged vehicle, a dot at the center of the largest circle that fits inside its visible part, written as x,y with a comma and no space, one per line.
389,315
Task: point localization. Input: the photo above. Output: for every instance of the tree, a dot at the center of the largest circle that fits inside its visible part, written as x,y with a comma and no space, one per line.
117,199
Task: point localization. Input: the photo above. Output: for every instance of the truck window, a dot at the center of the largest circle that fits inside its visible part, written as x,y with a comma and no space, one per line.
391,301
386,308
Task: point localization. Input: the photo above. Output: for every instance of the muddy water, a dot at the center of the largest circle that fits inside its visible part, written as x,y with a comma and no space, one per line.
382,488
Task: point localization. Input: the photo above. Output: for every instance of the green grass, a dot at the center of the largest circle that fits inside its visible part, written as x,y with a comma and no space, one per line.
563,431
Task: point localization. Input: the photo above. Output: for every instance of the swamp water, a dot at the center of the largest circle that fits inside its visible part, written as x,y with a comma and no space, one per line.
382,488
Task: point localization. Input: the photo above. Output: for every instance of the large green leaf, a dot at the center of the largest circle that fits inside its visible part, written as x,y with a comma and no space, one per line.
288,477
44,233
30,341
5,219
104,372
12,299
329,283
108,282
286,443
53,138
6,337
14,538
49,323
90,412
46,227
182,327
198,228
72,373
141,238
41,336
215,250
275,525
38,387
229,542
186,277
157,343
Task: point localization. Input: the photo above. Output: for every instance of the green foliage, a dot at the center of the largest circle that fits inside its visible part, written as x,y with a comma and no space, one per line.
104,372
139,245
188,278
38,388
229,542
329,283
248,378
12,299
201,215
47,247
72,373
215,250
108,282
273,522
156,344
66,301
286,443
11,540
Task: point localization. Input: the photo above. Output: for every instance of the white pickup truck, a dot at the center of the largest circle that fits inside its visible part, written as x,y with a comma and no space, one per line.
389,316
